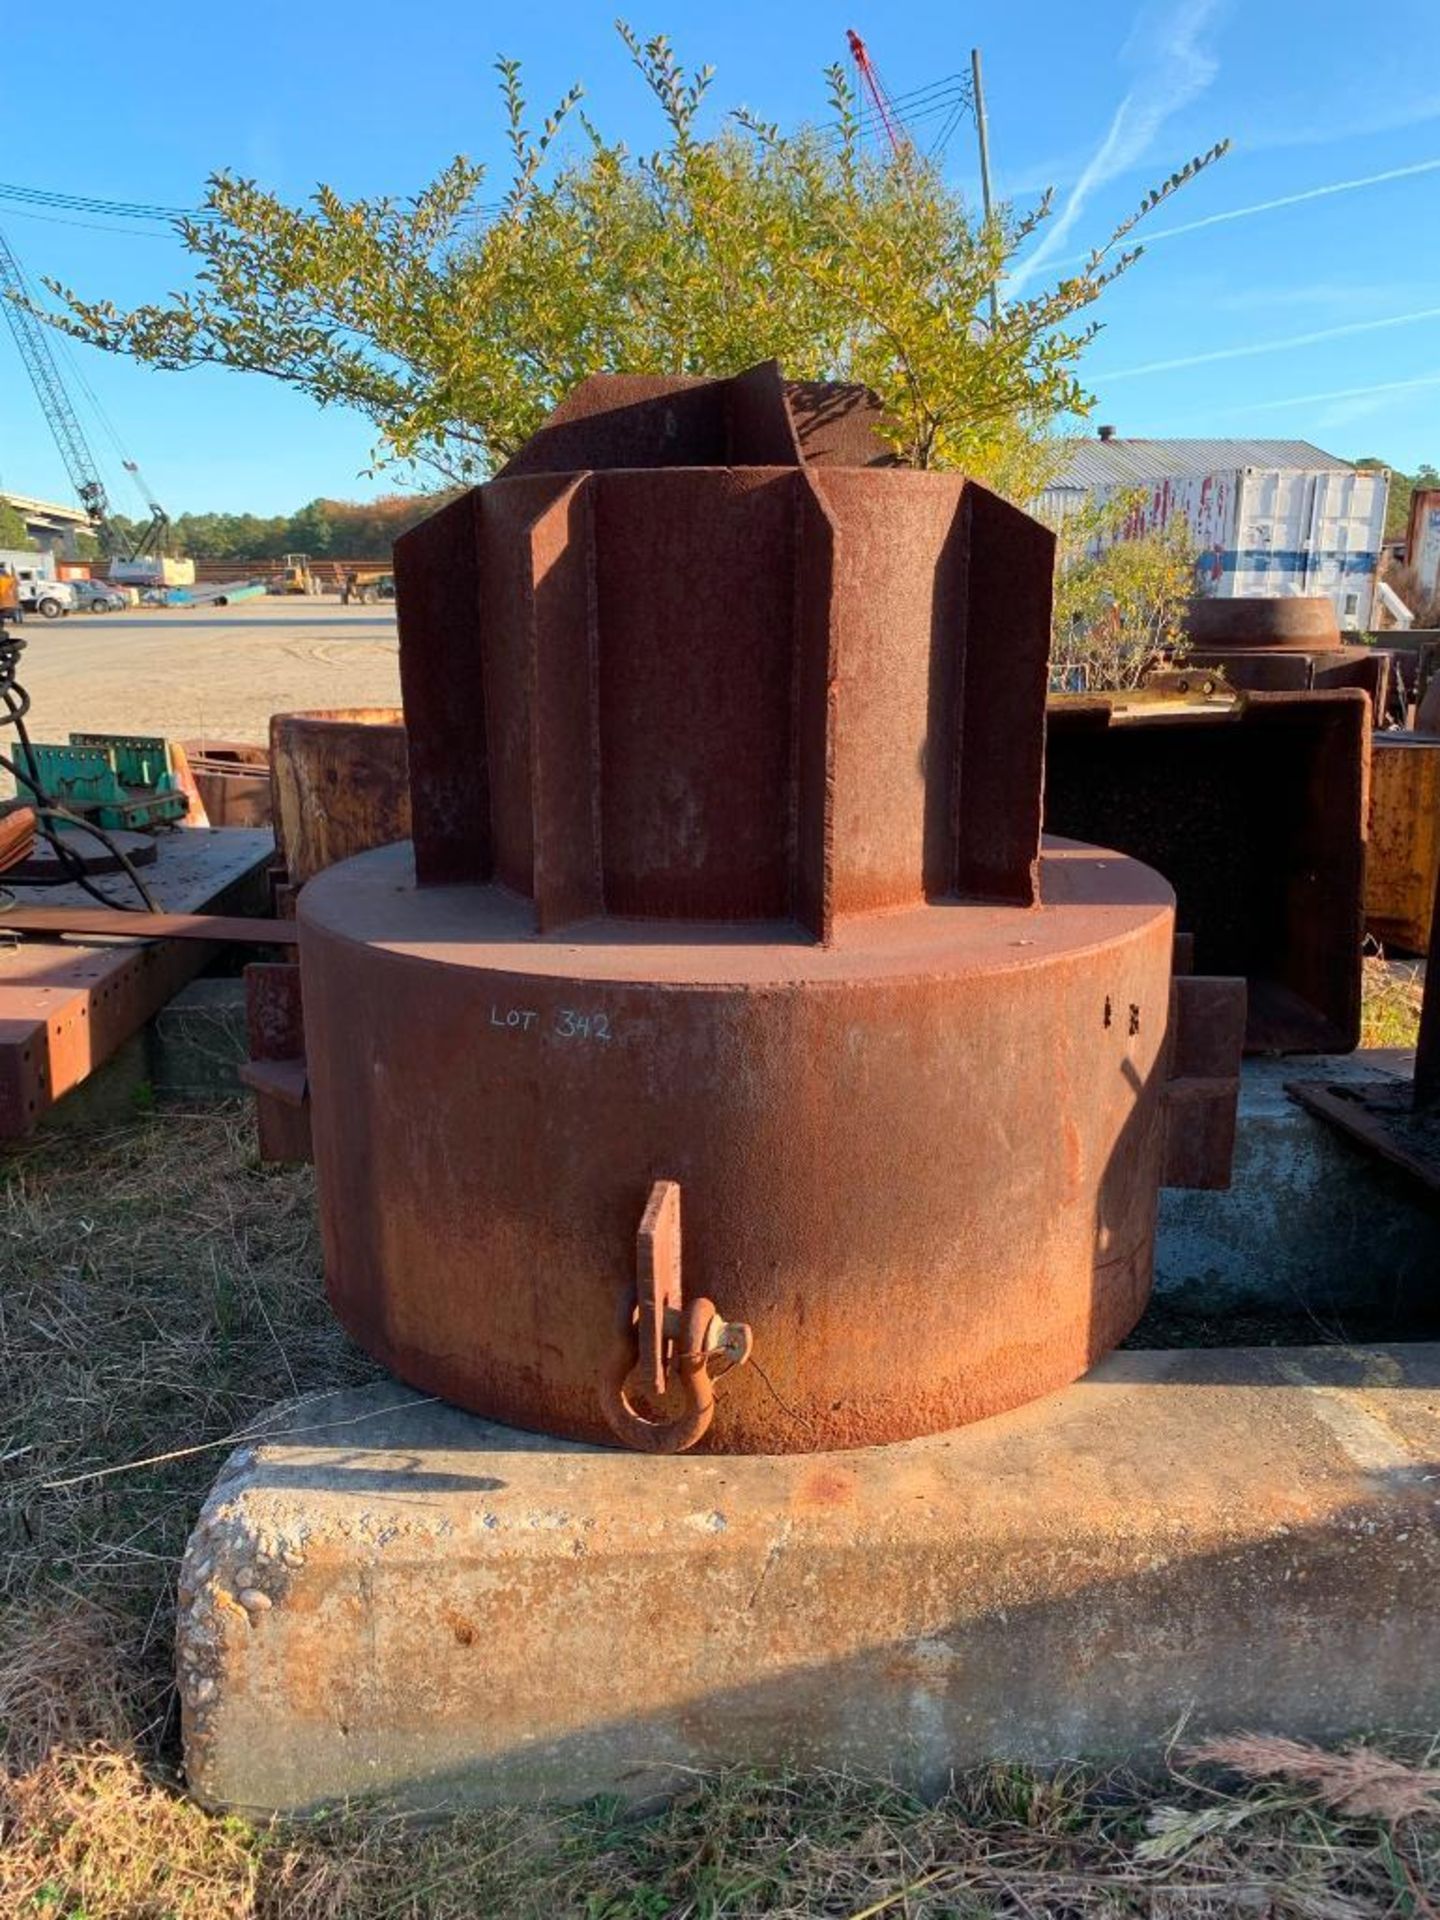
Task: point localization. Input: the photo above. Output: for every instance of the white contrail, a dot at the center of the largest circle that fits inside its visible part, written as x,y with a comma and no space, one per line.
1270,346
1290,200
1317,399
1174,68
1339,393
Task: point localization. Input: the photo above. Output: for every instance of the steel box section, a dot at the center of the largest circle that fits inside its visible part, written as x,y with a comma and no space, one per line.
727,693
1257,817
921,1161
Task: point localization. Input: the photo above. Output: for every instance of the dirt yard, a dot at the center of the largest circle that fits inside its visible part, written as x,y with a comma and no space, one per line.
210,672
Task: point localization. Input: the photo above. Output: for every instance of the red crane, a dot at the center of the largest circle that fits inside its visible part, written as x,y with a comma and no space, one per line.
875,87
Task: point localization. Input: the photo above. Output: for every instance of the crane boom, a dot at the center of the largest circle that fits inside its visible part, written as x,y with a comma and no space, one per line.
865,67
50,391
153,538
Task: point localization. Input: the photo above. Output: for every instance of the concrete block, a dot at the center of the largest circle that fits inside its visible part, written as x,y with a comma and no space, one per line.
190,1052
194,1046
1309,1223
389,1596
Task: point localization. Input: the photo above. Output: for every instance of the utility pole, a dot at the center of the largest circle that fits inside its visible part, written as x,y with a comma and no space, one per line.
982,134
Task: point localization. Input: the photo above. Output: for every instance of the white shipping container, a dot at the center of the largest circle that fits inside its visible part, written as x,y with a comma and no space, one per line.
1273,531
42,563
1423,547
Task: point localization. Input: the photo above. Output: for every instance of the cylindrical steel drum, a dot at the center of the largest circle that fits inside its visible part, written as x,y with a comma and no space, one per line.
726,873
1294,621
921,1162
338,785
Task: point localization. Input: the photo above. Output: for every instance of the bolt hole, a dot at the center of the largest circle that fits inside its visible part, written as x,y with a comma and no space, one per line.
1109,1011
1134,1018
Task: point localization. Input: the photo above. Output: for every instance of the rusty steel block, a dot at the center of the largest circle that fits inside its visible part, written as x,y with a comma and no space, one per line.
725,748
1202,1094
276,1070
1255,811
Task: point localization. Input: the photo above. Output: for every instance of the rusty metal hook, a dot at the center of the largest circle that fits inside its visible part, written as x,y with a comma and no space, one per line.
651,1315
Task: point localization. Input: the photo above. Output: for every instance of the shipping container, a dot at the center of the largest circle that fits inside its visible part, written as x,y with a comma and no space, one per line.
42,562
1422,545
1273,518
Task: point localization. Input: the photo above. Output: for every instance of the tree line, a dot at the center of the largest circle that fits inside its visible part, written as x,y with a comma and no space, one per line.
1402,487
324,529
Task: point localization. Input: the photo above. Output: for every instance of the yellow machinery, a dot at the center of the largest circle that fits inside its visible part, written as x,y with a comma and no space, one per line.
366,587
297,577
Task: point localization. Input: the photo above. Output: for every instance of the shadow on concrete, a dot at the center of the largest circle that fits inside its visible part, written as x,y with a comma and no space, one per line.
1394,1365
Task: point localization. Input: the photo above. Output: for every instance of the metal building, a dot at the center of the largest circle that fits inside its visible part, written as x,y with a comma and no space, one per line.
1271,517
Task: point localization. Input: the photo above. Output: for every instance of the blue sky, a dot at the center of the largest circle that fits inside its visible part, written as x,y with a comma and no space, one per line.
1318,318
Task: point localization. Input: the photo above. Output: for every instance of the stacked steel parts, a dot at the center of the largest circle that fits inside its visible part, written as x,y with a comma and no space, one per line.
336,785
1284,645
727,995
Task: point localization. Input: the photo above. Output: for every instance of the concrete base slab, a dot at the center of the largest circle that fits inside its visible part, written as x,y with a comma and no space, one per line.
389,1596
1310,1224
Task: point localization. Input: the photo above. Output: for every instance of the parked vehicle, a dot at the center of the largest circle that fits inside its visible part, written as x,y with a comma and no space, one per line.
96,596
365,587
40,594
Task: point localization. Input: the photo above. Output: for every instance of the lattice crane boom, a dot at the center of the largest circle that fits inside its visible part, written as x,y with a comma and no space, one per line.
54,400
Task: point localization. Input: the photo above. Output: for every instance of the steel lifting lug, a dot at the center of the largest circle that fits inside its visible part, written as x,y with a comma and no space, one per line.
658,1330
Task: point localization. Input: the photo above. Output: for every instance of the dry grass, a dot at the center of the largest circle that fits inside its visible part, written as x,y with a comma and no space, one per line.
1390,1004
92,1837
158,1290
1358,1781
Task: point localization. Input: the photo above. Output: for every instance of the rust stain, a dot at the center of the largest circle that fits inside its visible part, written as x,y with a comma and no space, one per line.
826,1488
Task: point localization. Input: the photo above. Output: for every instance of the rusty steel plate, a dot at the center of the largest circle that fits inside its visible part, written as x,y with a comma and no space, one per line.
1398,1120
121,923
1383,1118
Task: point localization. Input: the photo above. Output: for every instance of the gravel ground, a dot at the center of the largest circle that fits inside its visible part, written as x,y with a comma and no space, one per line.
206,672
